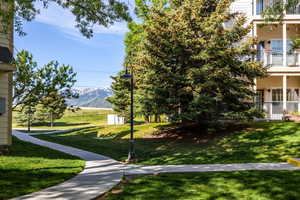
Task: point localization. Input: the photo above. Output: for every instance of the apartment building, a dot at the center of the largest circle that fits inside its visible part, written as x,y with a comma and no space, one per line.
279,92
6,49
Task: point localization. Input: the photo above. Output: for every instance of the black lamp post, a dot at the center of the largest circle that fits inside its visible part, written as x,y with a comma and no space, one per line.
131,154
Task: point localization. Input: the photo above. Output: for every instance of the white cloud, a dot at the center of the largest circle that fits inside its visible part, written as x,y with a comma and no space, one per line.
64,21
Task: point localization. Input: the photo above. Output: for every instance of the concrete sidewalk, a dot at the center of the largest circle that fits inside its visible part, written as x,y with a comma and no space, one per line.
100,174
158,169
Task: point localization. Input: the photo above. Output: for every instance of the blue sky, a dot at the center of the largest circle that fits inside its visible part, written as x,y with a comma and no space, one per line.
52,36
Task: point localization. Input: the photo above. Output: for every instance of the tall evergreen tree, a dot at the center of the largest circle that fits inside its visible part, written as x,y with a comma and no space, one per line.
144,105
121,95
188,63
200,68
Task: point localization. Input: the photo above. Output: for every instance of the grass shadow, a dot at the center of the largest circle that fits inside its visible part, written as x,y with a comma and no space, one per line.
256,142
250,185
25,149
30,168
27,181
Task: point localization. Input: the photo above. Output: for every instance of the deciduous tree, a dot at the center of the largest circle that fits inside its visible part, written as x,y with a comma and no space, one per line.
45,88
26,89
88,13
57,82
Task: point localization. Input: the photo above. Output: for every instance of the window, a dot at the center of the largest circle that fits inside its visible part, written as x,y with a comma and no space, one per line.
259,6
259,99
277,46
292,94
260,51
277,95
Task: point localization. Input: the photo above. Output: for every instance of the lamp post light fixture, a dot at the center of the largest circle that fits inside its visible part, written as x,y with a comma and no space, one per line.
131,154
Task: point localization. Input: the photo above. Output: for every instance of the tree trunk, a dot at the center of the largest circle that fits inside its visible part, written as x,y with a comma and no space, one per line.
157,119
29,123
51,119
147,119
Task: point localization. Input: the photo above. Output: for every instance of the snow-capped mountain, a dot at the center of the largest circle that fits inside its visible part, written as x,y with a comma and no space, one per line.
92,97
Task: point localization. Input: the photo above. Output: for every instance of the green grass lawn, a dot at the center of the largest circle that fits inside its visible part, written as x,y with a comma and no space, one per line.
71,120
246,185
30,168
35,131
260,142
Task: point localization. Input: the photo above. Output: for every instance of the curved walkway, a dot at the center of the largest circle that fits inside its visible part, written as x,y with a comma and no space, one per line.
102,173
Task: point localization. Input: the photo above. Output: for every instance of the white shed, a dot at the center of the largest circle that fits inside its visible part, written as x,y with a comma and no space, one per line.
115,120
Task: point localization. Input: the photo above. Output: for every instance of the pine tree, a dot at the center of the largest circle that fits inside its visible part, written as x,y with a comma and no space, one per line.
121,95
200,68
144,104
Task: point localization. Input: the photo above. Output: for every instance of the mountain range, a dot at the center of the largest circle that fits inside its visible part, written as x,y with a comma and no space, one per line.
92,97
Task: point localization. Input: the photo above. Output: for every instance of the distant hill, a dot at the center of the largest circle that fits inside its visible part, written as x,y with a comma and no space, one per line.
92,97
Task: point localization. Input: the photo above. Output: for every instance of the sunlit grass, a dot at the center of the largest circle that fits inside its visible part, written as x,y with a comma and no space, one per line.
261,142
30,168
81,118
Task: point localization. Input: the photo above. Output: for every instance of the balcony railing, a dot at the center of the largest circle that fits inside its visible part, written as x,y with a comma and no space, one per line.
295,10
275,58
274,110
262,5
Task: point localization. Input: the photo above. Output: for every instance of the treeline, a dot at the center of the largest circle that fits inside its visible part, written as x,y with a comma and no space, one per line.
192,60
40,92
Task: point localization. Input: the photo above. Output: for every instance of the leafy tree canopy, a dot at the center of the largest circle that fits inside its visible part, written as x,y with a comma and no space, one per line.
33,85
25,80
88,13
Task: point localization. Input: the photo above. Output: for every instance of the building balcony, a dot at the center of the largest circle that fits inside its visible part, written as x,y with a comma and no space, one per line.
278,95
274,110
260,6
272,58
276,48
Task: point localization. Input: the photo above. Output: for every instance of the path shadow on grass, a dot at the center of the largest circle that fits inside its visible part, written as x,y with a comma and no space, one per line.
250,185
117,136
262,142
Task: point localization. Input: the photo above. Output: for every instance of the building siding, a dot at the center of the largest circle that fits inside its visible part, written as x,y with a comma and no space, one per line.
5,119
6,40
243,6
